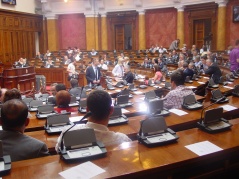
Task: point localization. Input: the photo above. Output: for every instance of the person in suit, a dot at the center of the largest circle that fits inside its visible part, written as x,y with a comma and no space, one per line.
15,143
187,70
174,45
93,73
21,63
213,70
128,76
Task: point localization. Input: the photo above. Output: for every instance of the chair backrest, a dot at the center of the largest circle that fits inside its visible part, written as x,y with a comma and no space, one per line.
35,103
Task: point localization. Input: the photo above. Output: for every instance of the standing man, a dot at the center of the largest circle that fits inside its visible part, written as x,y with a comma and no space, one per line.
234,57
71,69
174,45
93,73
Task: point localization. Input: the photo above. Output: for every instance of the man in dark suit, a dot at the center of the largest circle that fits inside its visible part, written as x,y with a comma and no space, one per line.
213,70
93,73
187,70
128,75
14,121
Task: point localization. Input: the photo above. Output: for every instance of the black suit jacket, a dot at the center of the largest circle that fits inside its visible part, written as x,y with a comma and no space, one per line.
214,72
129,77
188,72
90,74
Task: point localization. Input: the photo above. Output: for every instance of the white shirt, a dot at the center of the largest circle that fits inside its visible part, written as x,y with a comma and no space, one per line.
93,53
118,71
71,67
102,134
103,66
77,58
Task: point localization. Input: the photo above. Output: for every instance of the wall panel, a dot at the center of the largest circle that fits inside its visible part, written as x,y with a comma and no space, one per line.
17,32
72,31
161,26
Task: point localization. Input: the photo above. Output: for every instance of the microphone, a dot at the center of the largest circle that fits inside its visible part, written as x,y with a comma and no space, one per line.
85,116
201,119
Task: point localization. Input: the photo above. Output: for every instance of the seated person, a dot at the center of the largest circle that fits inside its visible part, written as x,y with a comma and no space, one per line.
118,70
63,99
187,70
21,63
213,70
55,87
2,93
174,99
204,66
128,76
99,103
93,52
12,94
75,89
49,63
102,65
158,75
14,121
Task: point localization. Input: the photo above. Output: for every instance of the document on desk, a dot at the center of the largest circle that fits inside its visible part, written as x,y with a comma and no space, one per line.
228,107
75,119
200,82
124,110
229,87
138,92
203,148
178,112
1,165
191,87
205,77
85,170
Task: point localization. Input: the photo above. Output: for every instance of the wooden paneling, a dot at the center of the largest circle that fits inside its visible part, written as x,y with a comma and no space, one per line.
17,35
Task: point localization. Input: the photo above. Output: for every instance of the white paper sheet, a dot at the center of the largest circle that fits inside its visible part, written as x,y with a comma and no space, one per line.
206,77
138,92
229,87
228,107
178,112
75,119
1,165
85,170
200,82
124,110
117,90
203,148
191,87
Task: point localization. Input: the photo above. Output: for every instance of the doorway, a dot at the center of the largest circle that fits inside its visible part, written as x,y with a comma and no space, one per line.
123,37
202,33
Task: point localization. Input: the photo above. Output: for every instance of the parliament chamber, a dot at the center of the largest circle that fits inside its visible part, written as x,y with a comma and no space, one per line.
128,28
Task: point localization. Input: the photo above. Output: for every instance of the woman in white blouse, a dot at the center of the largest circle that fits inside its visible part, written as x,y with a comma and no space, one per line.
118,70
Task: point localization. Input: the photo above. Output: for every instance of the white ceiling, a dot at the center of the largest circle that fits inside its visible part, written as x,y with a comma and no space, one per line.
52,8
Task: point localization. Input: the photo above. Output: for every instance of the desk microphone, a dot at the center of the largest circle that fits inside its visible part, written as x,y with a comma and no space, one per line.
222,98
85,116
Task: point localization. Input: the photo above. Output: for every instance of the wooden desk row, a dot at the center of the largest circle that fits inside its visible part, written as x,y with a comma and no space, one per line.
134,160
175,122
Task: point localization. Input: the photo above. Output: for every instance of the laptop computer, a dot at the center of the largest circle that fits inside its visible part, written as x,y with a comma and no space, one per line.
117,117
154,131
45,111
155,108
150,96
132,87
190,103
73,102
33,105
218,96
123,101
213,121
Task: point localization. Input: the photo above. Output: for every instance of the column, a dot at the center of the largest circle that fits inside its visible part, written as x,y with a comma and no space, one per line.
142,40
104,33
180,25
52,33
221,25
92,38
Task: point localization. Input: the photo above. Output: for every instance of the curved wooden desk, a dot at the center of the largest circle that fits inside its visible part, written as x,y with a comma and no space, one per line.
20,78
